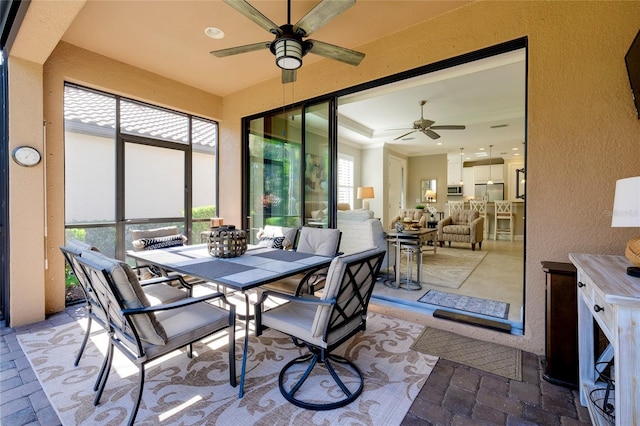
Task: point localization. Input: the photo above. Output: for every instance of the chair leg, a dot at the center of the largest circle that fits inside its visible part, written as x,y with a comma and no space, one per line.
103,368
84,343
319,357
134,412
104,375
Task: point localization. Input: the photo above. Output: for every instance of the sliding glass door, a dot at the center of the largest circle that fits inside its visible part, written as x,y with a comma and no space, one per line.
288,169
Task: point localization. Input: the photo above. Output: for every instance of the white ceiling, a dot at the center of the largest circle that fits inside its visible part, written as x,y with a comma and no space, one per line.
167,38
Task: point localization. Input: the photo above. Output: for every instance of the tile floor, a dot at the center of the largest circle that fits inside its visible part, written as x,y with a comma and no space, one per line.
453,395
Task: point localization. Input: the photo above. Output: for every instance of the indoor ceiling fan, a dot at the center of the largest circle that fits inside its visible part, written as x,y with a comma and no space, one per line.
288,45
427,126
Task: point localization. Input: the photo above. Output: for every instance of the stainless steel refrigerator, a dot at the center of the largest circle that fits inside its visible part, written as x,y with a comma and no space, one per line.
491,192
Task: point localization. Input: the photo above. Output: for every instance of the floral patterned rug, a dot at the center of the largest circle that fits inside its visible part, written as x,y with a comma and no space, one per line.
196,391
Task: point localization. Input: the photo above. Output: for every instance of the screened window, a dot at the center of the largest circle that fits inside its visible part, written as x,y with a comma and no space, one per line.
130,165
345,179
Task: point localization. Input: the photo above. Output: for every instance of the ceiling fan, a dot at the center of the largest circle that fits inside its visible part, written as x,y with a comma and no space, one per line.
427,126
289,46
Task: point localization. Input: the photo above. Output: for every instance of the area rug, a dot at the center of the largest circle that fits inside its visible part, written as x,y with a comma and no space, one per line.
449,267
491,357
196,391
476,305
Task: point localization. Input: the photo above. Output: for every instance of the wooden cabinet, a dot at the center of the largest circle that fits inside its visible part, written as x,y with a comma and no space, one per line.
561,336
483,173
607,294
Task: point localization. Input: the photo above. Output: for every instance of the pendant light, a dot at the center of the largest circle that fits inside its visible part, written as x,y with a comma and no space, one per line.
461,154
490,182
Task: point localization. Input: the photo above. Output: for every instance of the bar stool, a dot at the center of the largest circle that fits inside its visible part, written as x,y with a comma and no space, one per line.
504,211
481,207
455,206
410,250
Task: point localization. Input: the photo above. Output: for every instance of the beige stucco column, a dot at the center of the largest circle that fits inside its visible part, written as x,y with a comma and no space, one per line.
26,195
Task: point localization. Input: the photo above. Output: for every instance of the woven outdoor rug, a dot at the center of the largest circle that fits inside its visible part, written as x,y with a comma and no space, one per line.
449,267
196,391
476,305
491,357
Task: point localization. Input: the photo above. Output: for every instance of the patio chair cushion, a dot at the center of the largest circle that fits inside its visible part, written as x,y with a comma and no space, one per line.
333,283
320,241
132,296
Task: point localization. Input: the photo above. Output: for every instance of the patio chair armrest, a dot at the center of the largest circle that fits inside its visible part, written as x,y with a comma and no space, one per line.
179,304
292,298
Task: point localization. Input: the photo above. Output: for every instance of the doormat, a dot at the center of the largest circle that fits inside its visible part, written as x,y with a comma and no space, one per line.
476,305
486,356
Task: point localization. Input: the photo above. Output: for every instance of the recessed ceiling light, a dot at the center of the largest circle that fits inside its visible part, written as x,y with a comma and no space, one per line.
213,32
481,149
439,143
514,149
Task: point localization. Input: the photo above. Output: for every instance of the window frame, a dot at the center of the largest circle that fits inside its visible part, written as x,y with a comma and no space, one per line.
121,222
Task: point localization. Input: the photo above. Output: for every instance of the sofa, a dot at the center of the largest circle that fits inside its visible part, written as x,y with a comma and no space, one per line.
361,231
463,226
414,216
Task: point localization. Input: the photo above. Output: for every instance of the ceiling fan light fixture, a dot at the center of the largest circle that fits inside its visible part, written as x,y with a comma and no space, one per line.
288,53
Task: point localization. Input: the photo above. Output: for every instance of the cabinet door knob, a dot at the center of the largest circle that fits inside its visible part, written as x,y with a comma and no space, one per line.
581,284
598,308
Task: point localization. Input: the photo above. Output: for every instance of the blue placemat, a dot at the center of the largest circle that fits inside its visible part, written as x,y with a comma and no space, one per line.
289,256
214,268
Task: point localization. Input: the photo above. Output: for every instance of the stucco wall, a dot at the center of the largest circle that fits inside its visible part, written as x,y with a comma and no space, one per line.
26,203
583,133
69,63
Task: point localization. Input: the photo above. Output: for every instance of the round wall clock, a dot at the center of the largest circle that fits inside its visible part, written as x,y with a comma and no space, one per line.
26,156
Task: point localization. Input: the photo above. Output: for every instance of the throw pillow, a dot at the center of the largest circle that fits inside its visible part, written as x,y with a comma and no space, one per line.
160,242
271,242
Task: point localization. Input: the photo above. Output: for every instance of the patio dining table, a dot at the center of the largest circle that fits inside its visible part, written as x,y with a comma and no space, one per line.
256,267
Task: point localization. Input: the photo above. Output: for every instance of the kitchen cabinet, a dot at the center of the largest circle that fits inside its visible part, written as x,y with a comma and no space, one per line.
453,173
494,171
469,179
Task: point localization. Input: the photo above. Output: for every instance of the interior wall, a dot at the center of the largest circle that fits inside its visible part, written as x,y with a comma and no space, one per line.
371,176
426,167
583,132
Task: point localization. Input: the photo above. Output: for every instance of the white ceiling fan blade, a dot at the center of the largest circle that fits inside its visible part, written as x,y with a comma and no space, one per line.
240,49
338,53
255,15
320,15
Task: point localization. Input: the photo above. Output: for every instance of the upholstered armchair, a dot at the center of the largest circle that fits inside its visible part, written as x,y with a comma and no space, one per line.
415,217
463,226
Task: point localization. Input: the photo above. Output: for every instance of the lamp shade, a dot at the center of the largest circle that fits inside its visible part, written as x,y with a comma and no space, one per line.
365,192
288,53
626,204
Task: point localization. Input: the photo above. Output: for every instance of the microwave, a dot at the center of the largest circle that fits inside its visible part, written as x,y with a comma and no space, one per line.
454,190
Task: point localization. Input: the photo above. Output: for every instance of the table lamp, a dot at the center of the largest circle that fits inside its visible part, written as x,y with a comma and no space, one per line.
365,193
626,214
